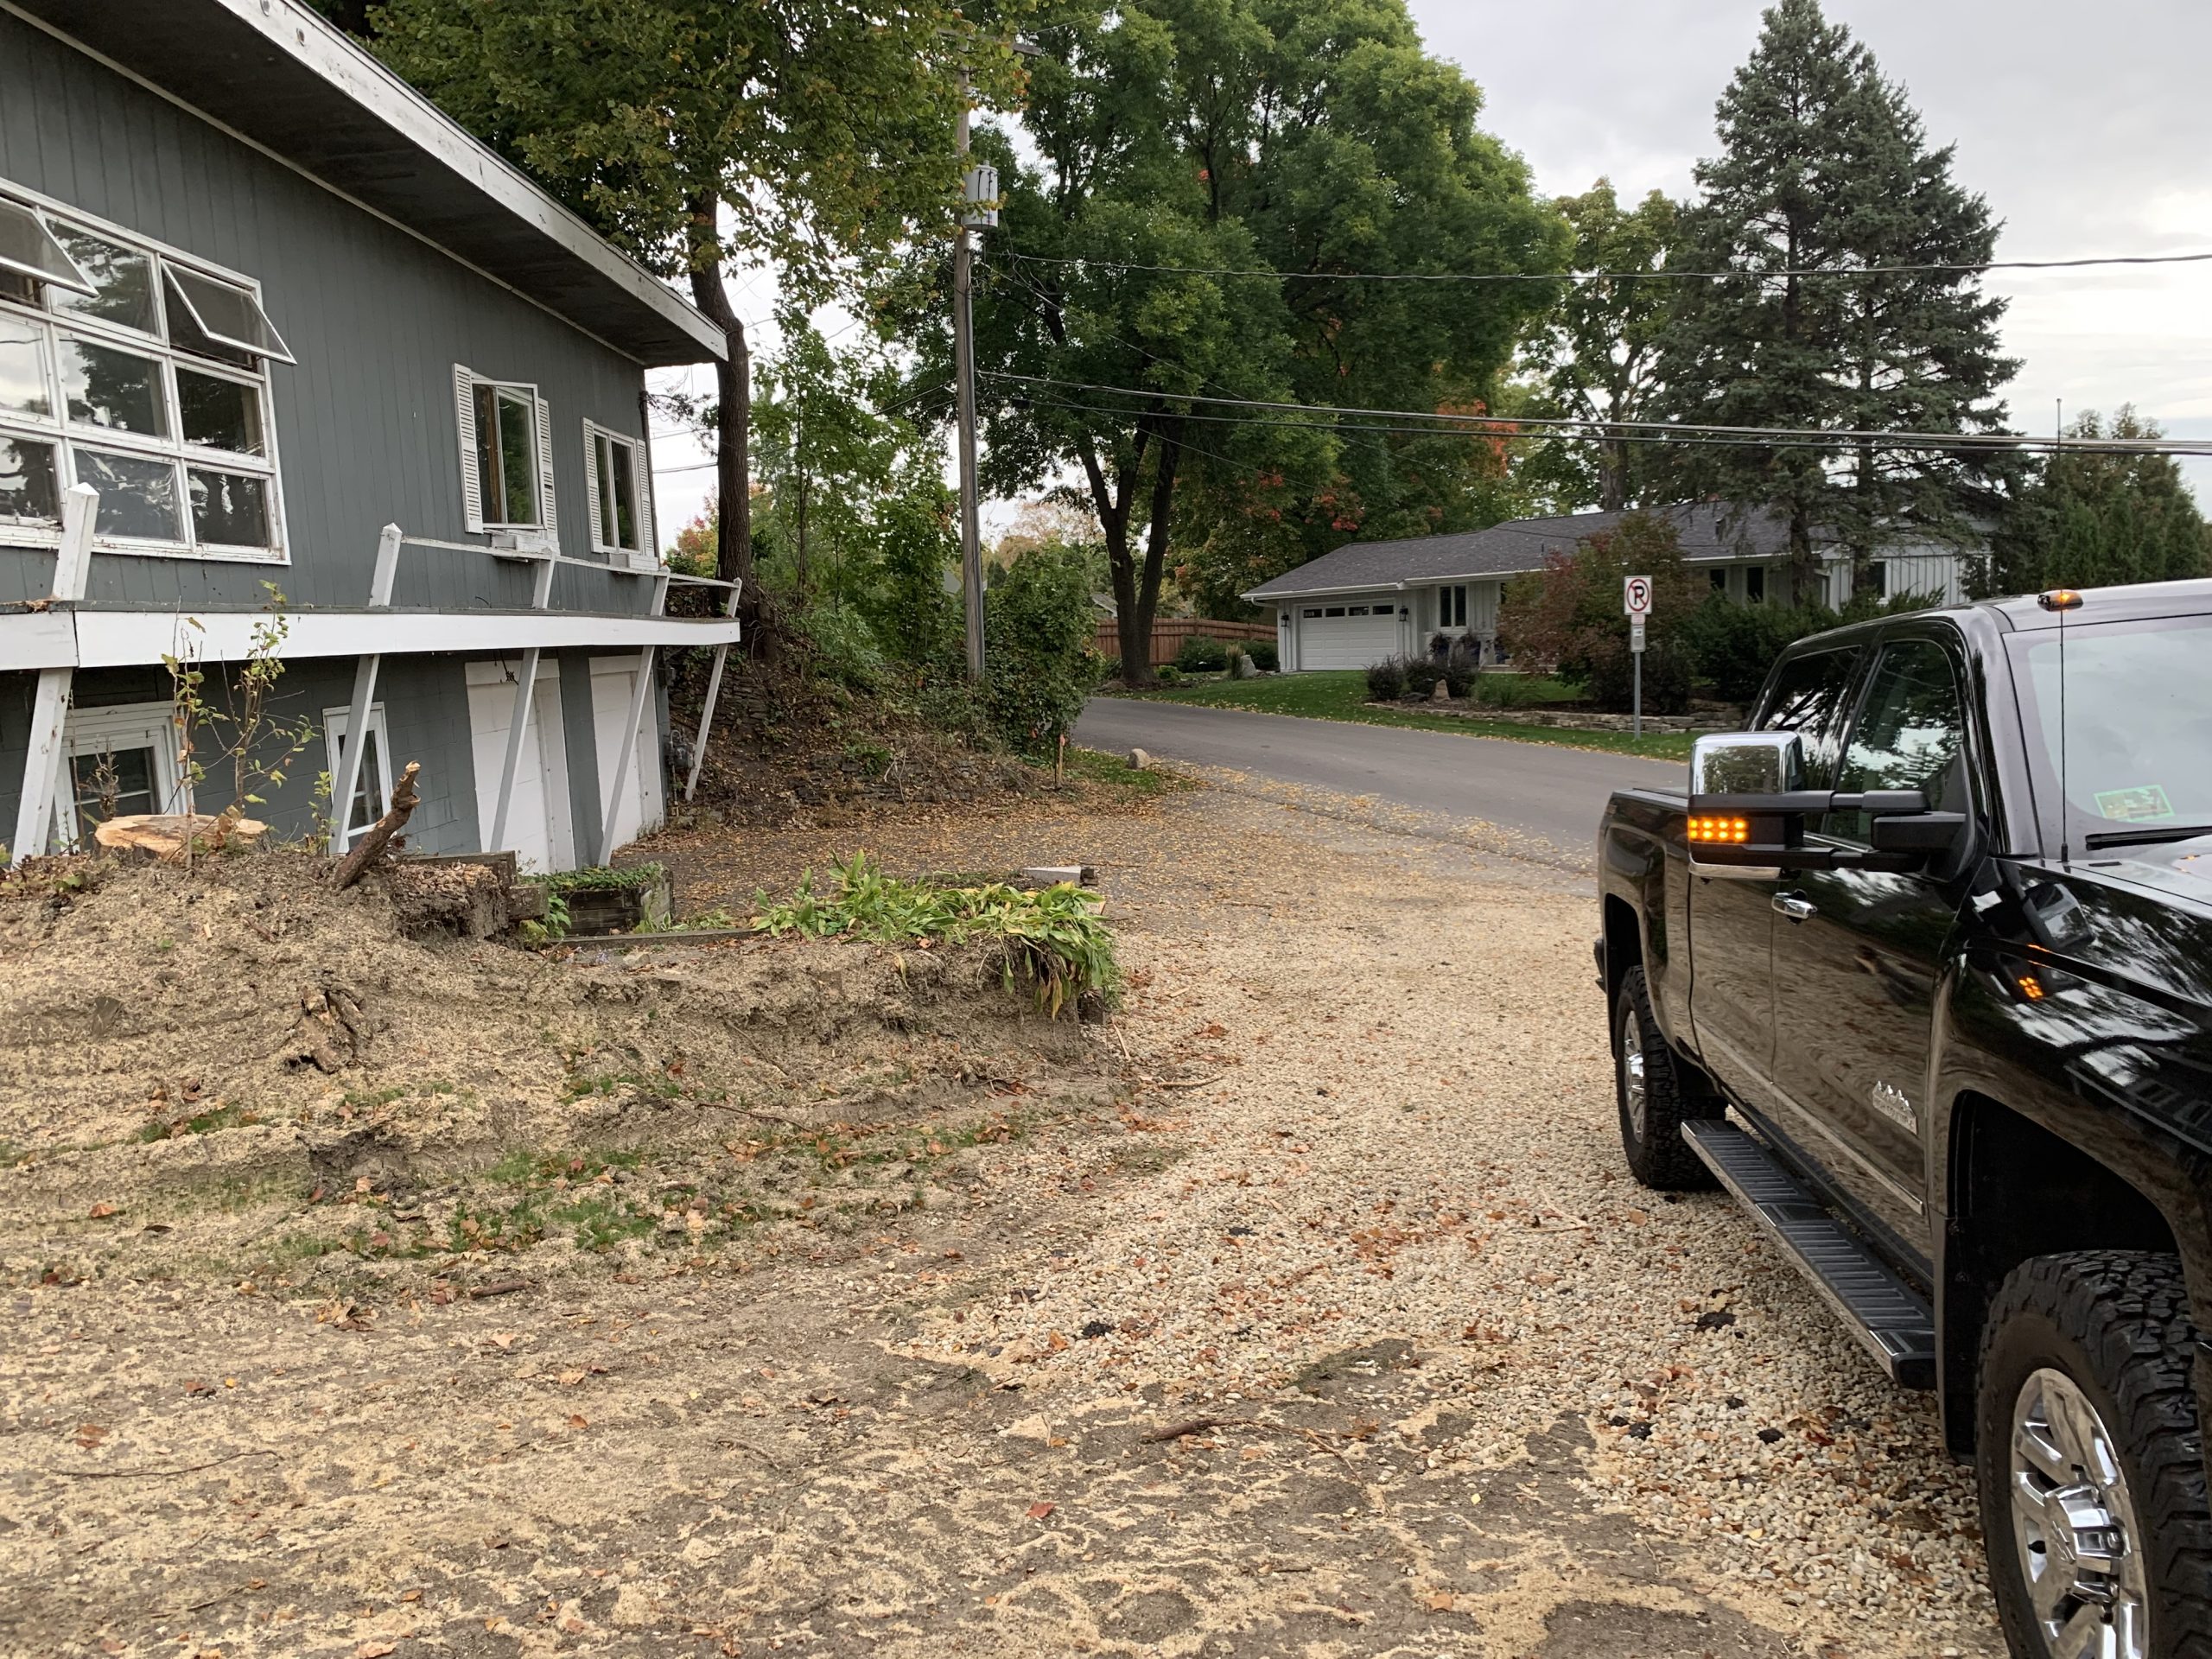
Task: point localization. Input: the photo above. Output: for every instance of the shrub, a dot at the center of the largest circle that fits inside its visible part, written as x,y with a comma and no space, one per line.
1037,636
1732,645
1201,653
1512,690
1168,674
1421,675
1052,939
1110,668
1264,656
1386,680
1567,617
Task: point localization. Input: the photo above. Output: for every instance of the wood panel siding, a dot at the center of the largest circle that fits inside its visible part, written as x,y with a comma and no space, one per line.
366,427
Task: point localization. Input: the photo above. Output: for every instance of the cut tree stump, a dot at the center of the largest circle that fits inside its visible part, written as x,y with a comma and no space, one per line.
369,848
165,834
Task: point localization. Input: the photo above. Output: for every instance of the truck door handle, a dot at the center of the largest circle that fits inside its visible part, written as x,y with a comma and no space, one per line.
1797,907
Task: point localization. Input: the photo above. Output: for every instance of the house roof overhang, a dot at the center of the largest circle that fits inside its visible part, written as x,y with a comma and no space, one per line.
275,74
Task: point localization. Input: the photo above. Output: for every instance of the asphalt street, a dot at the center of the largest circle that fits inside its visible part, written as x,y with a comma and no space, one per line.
1531,792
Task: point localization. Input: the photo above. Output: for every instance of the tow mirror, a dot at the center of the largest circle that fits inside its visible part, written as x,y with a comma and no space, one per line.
1748,805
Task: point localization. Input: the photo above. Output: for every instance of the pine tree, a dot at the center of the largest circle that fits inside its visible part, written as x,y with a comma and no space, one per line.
1826,167
2093,518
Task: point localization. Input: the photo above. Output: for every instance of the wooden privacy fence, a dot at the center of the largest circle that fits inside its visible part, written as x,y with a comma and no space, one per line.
1168,633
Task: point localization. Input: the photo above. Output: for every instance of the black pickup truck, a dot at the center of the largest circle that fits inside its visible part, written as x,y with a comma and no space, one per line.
1919,969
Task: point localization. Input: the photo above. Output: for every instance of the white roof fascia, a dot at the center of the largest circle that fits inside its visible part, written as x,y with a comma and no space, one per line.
351,73
70,638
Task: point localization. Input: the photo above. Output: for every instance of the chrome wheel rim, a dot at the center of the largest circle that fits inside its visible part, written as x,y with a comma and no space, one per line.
1632,1098
2073,1526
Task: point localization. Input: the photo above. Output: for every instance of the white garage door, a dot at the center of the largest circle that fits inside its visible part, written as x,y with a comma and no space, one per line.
538,831
1346,636
614,681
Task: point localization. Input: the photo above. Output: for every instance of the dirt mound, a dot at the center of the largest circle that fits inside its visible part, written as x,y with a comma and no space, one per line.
786,746
242,1037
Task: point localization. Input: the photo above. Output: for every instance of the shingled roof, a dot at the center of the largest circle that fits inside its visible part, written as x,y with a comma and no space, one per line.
1708,530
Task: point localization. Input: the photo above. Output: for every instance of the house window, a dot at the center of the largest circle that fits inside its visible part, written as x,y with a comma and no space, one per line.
369,800
618,496
1877,577
1334,610
1719,578
1309,615
120,761
506,456
1451,606
126,367
1755,584
1356,610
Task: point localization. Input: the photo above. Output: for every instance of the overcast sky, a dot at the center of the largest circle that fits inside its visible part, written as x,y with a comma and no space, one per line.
2086,124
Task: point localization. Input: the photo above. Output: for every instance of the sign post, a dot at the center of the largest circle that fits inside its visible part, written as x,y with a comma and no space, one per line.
1635,600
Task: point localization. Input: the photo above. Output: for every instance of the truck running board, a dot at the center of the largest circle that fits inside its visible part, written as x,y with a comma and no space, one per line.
1882,1311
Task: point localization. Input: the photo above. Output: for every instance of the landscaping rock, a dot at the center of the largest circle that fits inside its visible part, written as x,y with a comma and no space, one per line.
1139,760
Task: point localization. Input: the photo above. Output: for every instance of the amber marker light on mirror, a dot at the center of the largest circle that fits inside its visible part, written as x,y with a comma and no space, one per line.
2060,598
2031,986
1713,830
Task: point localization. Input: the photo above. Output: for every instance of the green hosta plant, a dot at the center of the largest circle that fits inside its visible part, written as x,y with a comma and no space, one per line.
1054,939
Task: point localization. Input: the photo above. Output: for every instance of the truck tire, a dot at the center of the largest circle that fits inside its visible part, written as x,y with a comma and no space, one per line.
1656,1091
2090,1462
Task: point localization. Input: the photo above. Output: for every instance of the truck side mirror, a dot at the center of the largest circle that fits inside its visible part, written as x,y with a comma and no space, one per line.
1750,767
1749,803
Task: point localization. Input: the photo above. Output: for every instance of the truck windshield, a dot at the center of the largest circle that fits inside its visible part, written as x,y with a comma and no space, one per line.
2139,727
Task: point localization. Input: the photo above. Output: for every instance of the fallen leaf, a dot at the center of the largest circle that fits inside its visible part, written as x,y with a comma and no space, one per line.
569,1379
1039,1510
576,1420
502,1339
375,1650
1440,1601
101,1211
90,1435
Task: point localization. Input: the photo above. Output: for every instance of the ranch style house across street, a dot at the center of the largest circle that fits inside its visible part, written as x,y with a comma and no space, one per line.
277,337
1368,601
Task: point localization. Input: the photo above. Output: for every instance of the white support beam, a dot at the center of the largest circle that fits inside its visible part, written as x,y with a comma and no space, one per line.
714,695
35,810
518,728
641,689
365,695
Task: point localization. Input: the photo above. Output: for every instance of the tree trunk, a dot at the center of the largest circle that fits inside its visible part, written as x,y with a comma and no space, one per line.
734,415
1612,473
371,847
1155,535
1136,639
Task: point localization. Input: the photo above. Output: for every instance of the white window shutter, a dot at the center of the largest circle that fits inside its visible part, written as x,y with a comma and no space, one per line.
647,558
547,517
472,492
591,487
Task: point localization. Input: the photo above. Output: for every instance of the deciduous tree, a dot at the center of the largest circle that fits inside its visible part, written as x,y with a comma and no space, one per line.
1597,355
805,133
1204,175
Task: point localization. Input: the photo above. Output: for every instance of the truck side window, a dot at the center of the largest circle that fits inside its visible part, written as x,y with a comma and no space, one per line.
1910,735
1808,699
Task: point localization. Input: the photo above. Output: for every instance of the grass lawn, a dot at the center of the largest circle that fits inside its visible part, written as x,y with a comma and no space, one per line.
1343,695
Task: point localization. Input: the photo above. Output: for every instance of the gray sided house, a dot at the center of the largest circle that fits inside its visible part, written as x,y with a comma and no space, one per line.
272,324
1371,599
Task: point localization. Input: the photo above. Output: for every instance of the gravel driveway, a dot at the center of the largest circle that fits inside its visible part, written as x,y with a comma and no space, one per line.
1343,1334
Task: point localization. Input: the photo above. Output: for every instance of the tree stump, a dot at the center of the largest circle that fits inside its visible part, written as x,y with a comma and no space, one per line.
167,834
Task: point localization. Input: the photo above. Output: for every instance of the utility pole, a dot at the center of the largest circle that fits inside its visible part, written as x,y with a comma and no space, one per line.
963,374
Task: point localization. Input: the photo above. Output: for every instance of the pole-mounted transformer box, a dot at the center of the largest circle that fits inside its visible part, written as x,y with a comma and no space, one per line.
982,196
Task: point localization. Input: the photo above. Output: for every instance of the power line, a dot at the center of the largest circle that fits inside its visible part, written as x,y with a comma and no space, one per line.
1516,425
1952,268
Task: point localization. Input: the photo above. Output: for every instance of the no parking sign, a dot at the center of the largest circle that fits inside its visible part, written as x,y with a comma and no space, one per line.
1635,600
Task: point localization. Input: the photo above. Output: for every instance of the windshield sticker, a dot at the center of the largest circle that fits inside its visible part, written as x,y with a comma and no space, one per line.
2144,804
